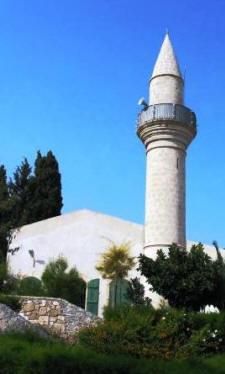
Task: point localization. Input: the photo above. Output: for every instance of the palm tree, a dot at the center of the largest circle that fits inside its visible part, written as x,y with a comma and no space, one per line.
115,264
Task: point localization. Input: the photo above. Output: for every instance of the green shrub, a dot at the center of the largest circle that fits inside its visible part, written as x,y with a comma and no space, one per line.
3,273
186,279
30,286
11,285
123,311
59,282
12,302
8,282
163,333
24,353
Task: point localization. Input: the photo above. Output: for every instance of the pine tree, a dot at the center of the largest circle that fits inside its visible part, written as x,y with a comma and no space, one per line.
46,188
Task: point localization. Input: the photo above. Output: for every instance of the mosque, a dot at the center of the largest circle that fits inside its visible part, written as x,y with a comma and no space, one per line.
166,127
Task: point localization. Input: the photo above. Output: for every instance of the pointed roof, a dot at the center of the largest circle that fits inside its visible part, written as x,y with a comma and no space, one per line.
166,62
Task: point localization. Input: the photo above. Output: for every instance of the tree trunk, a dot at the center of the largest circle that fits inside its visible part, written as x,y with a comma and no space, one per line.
115,294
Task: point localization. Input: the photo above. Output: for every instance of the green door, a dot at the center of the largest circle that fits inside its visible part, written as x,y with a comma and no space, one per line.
121,293
93,296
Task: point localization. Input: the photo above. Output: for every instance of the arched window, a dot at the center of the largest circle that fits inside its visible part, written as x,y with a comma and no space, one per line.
93,296
118,292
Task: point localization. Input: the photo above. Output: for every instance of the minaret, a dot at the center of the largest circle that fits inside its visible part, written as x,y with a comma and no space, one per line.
166,127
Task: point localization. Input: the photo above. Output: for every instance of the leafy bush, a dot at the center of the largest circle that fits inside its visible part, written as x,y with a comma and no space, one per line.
3,273
187,279
12,302
26,354
163,333
11,285
59,282
30,286
8,282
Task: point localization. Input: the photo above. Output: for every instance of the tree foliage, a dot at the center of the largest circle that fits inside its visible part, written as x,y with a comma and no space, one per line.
30,286
218,298
28,197
115,264
5,213
3,274
58,281
8,283
136,293
186,279
46,187
20,196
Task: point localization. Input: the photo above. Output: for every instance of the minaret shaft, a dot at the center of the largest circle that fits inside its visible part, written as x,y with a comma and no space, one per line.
166,89
165,197
166,128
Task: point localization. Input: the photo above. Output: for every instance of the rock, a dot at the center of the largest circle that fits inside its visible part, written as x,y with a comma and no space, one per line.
33,316
43,320
53,313
11,321
58,328
42,311
28,307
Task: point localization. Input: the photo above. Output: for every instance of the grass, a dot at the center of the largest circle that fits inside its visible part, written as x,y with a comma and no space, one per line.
29,354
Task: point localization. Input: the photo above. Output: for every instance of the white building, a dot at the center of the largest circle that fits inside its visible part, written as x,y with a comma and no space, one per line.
81,237
166,128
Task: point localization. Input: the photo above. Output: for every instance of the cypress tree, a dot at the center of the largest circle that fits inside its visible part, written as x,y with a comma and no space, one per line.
47,197
4,213
20,194
28,198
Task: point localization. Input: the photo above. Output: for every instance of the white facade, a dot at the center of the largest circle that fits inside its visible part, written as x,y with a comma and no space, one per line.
81,237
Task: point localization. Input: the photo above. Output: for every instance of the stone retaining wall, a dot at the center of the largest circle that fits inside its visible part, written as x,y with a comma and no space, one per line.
10,321
56,315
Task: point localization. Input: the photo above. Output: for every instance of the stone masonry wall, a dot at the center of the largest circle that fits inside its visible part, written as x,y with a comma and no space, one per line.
10,321
56,315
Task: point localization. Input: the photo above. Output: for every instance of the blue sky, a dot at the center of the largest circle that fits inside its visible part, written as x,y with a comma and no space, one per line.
71,73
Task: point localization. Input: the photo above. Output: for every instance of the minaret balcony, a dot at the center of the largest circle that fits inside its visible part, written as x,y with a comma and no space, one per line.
168,112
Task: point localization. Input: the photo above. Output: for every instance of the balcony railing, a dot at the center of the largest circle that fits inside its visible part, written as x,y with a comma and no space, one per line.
173,112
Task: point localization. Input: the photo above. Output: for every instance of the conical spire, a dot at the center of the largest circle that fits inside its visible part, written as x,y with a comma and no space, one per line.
166,62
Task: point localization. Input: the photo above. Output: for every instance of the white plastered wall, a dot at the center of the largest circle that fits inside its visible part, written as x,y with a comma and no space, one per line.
81,237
